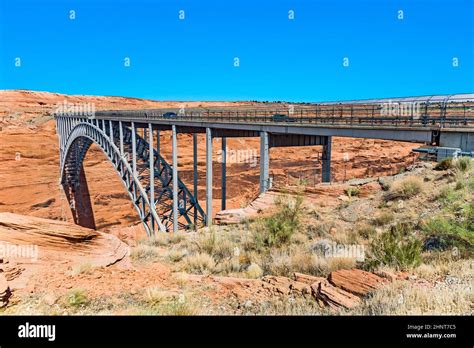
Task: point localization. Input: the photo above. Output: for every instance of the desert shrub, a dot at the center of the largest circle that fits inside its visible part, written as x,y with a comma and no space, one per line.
406,298
143,253
76,298
445,164
200,263
447,195
463,164
352,192
176,255
84,268
216,245
406,188
396,247
384,218
159,239
279,227
367,231
286,262
471,183
154,295
284,223
460,184
442,233
254,271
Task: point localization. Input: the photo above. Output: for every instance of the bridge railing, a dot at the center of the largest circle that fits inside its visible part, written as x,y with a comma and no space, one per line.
389,114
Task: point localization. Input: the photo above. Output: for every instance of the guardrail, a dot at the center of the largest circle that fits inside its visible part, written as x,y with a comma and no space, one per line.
442,116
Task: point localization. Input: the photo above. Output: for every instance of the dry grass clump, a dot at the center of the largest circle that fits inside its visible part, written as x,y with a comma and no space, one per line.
76,298
144,253
286,262
200,263
83,268
384,218
254,271
405,298
405,188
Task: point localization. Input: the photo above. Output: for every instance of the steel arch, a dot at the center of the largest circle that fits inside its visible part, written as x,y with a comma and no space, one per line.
77,143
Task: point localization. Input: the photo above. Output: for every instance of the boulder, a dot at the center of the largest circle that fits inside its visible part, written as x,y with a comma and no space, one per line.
306,278
356,281
328,295
286,286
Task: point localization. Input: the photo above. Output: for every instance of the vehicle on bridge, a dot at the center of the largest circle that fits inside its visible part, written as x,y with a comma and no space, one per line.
170,115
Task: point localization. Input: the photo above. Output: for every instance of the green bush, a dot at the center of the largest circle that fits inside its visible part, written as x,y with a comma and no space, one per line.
442,233
447,195
352,192
383,219
367,232
76,298
445,164
280,227
406,188
395,248
463,164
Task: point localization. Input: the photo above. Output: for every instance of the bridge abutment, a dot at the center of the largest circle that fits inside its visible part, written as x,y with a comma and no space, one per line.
461,140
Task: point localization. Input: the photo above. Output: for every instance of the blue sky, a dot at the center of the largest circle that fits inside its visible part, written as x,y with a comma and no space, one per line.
280,59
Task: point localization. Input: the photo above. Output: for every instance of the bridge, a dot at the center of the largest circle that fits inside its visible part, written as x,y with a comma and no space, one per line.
131,142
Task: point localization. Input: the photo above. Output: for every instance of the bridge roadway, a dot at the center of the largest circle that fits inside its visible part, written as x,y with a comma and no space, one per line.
154,186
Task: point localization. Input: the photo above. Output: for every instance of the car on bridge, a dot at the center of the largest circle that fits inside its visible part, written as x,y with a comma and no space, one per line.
282,118
170,115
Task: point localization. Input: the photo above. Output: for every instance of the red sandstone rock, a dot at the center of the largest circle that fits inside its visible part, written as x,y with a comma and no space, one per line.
328,295
356,281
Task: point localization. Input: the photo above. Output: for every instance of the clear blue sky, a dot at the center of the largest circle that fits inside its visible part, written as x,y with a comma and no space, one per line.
280,59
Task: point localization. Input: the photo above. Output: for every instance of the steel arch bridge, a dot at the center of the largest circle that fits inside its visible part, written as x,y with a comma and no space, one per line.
445,123
147,177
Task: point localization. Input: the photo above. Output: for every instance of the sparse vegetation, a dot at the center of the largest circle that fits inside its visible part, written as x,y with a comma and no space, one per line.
442,233
397,248
384,218
280,226
254,271
405,188
200,263
352,192
445,164
367,231
76,298
463,164
144,253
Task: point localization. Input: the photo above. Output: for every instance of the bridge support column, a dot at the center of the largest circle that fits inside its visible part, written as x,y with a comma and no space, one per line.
326,159
121,138
264,162
195,177
224,164
158,148
208,177
175,180
111,130
152,177
134,150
